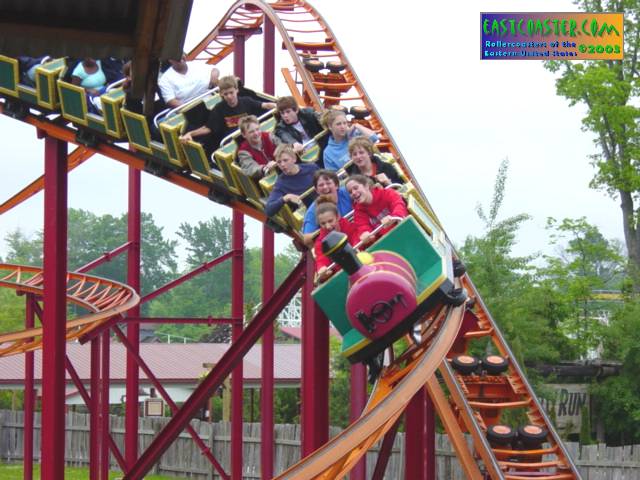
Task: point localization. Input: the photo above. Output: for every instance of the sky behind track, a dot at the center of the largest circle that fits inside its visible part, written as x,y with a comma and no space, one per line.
454,117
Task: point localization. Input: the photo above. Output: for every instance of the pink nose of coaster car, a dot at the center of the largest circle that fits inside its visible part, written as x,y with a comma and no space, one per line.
382,294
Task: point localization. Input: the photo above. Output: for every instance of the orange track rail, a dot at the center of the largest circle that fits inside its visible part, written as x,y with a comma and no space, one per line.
103,298
398,384
76,158
305,34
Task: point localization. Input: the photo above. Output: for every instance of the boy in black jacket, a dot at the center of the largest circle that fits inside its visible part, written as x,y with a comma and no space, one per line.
297,126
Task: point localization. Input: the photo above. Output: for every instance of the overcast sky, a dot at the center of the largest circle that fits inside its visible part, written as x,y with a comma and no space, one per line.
453,116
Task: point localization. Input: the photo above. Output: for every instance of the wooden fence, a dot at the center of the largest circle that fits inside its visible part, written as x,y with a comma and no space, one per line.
184,459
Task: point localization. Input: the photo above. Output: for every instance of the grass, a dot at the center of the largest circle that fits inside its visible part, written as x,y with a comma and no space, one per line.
15,472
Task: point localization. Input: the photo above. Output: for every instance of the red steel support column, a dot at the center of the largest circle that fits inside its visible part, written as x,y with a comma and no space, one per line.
315,369
358,402
95,424
419,449
55,308
430,441
269,67
267,385
268,271
134,219
29,394
238,55
237,302
237,384
104,407
231,358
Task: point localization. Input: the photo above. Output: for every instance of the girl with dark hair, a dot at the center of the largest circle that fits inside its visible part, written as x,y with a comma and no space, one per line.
329,220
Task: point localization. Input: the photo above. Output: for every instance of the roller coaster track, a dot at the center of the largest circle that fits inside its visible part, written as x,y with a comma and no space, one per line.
398,384
465,403
102,298
305,35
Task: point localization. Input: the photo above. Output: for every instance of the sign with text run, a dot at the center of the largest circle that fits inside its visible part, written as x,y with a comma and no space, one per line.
551,36
565,405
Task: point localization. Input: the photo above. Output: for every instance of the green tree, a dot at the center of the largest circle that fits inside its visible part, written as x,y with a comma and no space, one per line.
586,263
496,272
12,311
206,240
609,90
340,386
286,405
22,250
90,236
209,294
617,398
527,310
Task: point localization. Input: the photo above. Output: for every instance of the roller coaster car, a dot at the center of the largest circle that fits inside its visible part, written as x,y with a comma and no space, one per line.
381,292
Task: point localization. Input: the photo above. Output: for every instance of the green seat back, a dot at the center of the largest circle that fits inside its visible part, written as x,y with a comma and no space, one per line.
74,102
269,125
248,186
225,159
171,129
47,76
212,101
197,160
9,76
267,183
137,130
112,103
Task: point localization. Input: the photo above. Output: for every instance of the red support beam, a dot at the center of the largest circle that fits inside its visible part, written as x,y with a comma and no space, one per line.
55,314
268,279
134,220
29,393
269,65
237,307
267,381
237,300
174,320
231,358
172,405
205,267
88,402
94,421
238,54
430,441
105,367
419,458
95,377
385,452
165,288
106,257
358,402
315,369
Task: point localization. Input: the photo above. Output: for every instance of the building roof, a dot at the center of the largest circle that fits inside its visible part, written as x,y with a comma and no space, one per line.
171,363
296,332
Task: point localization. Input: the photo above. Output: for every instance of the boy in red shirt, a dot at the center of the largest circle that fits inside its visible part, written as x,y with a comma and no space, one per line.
256,153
